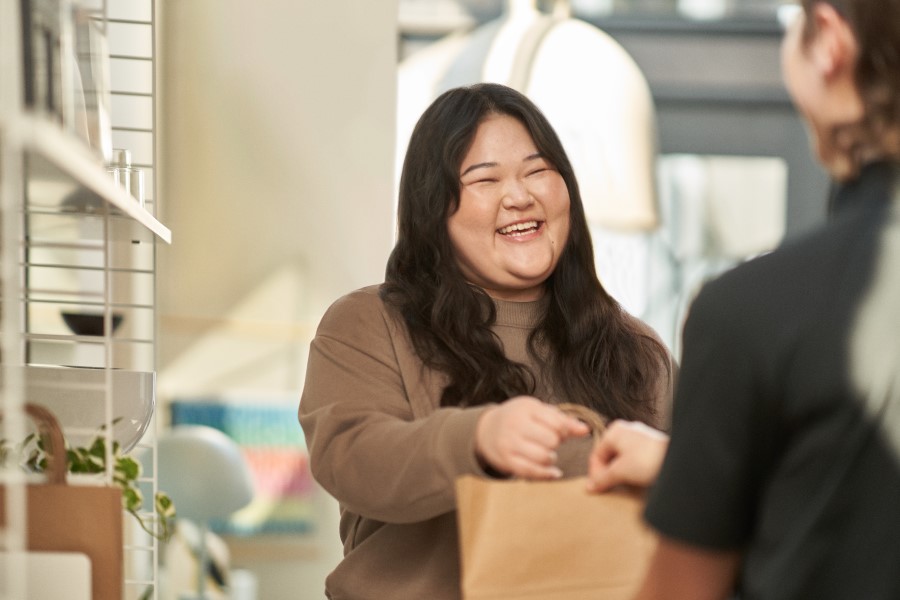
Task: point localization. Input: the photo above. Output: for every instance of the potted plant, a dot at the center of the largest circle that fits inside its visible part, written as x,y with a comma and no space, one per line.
90,460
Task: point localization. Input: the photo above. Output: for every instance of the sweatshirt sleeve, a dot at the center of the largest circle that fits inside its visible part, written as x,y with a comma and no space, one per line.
368,447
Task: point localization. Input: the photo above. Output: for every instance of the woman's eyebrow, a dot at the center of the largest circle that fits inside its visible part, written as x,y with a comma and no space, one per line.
483,165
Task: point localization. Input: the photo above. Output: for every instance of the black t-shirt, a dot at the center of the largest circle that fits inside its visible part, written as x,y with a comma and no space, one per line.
786,425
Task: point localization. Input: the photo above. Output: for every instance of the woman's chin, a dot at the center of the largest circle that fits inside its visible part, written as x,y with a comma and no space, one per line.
532,282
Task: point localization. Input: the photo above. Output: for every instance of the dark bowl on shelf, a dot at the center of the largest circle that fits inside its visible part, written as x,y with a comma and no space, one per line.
88,323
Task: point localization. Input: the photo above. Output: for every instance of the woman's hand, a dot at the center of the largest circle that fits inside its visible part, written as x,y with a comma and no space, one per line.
630,453
520,437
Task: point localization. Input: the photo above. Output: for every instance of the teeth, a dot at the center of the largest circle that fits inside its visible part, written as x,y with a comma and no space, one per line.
518,227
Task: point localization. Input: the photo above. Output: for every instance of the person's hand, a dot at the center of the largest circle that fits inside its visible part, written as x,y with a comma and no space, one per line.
628,452
520,436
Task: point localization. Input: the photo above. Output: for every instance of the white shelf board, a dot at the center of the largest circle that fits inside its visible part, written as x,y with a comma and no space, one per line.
69,155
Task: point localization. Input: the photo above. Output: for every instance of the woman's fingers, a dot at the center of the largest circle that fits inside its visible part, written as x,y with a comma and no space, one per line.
520,437
535,463
561,424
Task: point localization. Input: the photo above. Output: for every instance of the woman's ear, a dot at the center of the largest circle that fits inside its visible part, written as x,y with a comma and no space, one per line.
833,46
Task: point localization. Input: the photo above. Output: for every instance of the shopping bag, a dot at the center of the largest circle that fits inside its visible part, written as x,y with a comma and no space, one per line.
550,540
73,518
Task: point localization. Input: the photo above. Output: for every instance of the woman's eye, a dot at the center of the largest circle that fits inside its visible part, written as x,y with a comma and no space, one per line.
536,171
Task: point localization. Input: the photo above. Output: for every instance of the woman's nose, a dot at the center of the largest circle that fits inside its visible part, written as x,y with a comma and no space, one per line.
516,195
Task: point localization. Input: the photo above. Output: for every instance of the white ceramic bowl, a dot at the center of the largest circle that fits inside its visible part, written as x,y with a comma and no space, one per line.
78,397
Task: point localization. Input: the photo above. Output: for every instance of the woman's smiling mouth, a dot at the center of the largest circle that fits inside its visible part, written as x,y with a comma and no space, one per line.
520,229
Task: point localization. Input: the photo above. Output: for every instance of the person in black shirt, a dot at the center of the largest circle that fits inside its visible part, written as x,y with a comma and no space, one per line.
781,479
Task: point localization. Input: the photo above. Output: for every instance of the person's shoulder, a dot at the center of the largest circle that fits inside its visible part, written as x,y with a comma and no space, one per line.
360,298
797,265
354,308
791,283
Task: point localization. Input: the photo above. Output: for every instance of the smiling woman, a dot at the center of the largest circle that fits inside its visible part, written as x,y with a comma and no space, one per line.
491,314
513,217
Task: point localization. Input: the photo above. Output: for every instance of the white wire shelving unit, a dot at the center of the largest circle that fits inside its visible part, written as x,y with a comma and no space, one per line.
76,245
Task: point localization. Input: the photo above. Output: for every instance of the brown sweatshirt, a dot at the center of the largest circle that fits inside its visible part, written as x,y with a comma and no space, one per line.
382,446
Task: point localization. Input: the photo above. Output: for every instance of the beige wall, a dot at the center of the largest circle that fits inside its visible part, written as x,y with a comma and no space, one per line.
276,145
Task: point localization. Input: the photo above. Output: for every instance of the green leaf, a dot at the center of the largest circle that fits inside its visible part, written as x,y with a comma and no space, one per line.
132,499
165,508
96,464
128,467
98,448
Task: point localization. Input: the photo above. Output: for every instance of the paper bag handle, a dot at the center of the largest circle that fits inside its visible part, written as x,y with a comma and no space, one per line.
56,454
583,413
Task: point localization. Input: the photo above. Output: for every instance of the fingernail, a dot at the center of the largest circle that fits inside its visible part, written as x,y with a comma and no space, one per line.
556,473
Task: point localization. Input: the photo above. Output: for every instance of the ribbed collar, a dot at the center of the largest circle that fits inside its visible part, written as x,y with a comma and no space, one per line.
521,314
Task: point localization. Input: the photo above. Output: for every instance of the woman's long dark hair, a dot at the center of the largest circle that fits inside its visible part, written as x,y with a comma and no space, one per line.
596,356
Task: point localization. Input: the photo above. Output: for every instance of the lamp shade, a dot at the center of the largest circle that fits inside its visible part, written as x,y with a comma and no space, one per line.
204,472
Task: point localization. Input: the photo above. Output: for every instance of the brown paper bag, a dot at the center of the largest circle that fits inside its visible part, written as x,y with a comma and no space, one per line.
550,540
67,518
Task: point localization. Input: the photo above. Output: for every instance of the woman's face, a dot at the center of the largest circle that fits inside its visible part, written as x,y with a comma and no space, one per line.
513,217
